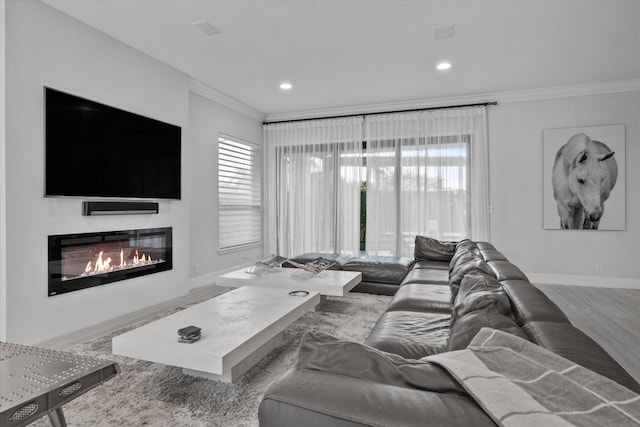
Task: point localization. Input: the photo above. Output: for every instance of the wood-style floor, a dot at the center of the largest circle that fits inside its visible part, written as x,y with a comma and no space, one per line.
611,317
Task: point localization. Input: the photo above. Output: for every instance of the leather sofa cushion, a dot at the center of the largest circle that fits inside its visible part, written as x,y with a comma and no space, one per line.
427,248
492,255
466,245
464,248
431,265
314,398
477,282
571,343
470,263
410,334
484,245
529,303
477,291
347,384
319,351
467,326
427,276
312,256
379,269
504,270
434,298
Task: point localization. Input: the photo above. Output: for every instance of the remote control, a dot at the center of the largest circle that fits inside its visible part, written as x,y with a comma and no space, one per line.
189,331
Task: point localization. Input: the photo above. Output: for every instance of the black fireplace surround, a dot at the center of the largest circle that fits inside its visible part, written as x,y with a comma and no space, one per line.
80,261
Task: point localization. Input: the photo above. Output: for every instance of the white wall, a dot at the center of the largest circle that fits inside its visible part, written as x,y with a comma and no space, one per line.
3,204
47,48
560,256
207,120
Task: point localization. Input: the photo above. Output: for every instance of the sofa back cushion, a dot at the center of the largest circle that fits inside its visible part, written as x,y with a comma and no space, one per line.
529,303
484,245
428,249
464,247
504,270
464,264
492,255
467,326
480,302
479,290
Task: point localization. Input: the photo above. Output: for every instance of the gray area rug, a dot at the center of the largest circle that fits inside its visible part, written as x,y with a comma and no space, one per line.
151,394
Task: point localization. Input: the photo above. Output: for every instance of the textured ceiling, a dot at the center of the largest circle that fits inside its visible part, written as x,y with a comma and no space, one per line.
350,53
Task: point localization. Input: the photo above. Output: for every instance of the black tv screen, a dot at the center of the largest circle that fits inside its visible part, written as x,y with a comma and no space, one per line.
93,150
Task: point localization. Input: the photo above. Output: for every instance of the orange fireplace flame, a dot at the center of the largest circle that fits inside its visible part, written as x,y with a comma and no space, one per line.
103,265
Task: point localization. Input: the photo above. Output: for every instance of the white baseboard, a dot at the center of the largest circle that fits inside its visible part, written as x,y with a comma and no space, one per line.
210,278
589,281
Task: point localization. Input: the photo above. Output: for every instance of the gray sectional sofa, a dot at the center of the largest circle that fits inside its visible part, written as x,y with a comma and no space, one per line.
444,297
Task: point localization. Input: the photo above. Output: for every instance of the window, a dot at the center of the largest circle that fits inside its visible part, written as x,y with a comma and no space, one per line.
426,175
239,194
401,175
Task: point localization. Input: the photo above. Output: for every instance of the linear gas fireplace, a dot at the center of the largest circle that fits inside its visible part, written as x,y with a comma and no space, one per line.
79,261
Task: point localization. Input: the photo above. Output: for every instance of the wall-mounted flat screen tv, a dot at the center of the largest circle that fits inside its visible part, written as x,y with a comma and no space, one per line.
93,150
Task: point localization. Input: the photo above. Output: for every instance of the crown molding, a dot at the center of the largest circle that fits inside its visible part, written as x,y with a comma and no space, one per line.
223,99
502,97
599,88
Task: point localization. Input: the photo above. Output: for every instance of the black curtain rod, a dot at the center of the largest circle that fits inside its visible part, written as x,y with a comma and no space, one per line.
480,104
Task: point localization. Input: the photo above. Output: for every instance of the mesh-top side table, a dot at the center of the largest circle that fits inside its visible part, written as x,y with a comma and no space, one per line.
36,381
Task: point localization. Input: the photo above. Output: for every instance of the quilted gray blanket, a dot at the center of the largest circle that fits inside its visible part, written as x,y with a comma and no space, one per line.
521,384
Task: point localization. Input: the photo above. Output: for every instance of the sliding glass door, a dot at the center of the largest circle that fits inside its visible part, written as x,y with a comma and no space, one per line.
370,185
420,168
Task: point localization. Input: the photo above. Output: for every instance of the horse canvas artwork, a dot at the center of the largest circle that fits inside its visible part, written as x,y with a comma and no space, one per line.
582,166
584,173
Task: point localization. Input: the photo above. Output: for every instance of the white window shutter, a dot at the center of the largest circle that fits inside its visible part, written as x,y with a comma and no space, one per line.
239,193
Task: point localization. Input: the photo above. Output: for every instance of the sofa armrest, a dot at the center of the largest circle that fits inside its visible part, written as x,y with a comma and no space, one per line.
571,343
380,269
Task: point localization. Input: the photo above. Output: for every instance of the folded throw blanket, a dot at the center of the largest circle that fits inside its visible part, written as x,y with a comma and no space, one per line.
519,383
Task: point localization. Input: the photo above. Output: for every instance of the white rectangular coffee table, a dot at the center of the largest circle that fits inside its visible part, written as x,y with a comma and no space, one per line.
327,282
238,329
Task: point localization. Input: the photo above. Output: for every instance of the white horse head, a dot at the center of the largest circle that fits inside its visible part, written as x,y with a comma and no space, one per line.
585,180
582,181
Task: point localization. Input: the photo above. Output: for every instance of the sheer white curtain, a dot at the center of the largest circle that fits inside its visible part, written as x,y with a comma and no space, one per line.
313,175
427,173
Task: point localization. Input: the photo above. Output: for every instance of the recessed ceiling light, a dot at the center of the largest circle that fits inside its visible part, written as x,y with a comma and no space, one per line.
443,66
285,86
